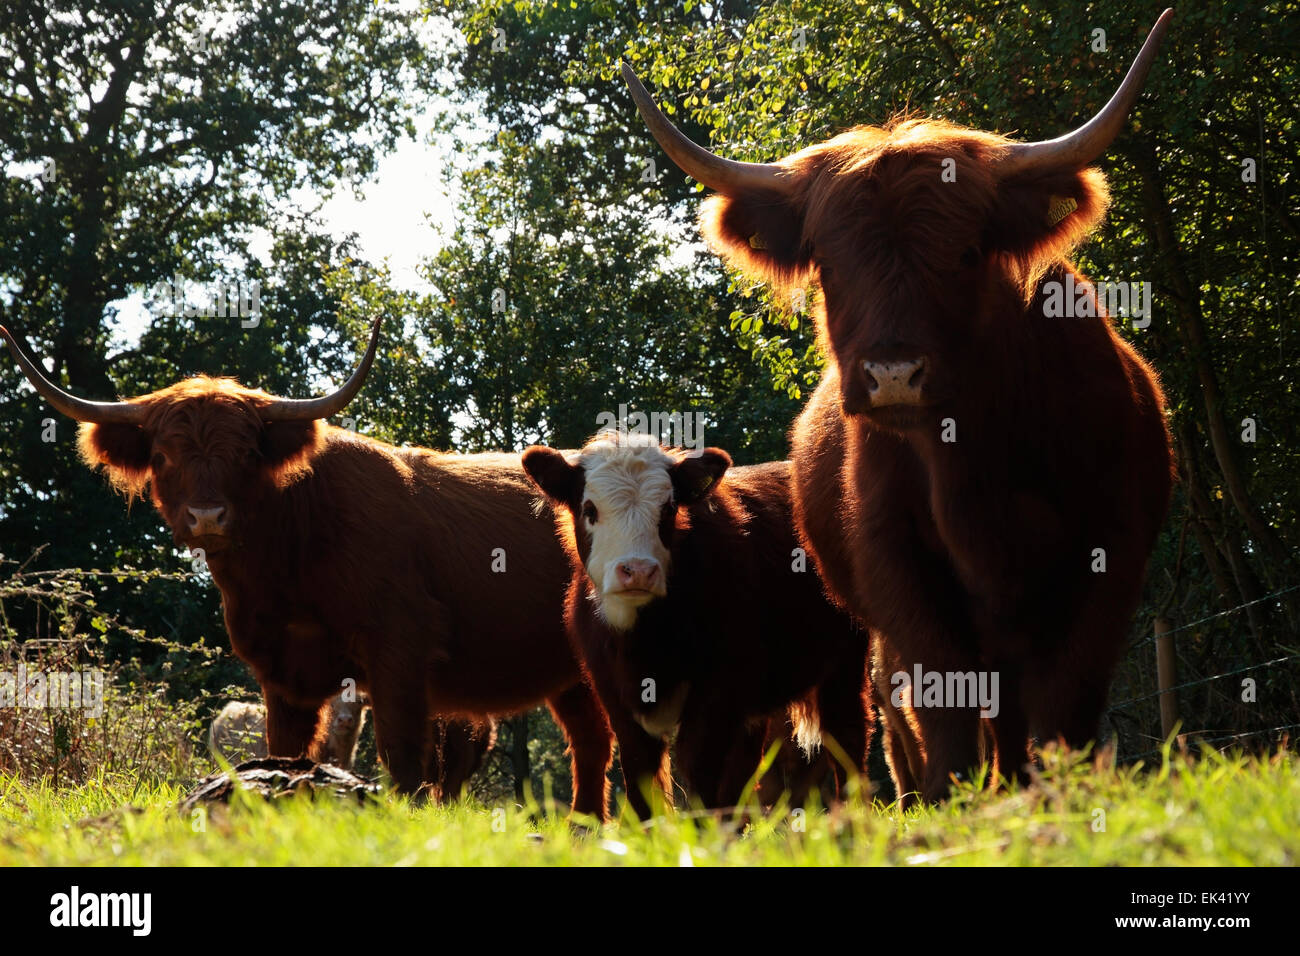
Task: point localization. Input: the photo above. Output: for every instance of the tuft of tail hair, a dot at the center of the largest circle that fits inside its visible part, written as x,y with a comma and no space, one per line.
806,720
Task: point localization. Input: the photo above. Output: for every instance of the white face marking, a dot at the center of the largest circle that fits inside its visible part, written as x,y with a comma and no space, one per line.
628,484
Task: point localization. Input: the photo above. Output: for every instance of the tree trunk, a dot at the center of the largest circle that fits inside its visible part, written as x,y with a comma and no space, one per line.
1191,329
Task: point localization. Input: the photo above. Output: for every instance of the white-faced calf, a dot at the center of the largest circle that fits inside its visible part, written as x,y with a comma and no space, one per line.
694,611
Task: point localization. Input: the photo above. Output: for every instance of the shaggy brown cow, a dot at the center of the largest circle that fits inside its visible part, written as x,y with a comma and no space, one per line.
980,481
426,577
692,611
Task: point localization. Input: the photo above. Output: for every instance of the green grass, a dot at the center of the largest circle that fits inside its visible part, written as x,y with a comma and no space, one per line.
1202,810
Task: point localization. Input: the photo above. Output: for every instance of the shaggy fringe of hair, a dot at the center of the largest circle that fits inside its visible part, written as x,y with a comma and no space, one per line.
161,405
827,182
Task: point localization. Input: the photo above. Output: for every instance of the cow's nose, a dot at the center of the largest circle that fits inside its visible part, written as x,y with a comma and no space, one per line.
208,520
894,383
638,574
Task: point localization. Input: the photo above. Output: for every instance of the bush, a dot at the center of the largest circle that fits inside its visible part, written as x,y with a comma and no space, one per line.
73,708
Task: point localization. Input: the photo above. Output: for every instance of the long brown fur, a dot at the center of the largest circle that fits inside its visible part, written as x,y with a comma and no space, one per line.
351,558
973,555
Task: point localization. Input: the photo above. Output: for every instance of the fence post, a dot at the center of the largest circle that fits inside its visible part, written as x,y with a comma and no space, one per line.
1166,677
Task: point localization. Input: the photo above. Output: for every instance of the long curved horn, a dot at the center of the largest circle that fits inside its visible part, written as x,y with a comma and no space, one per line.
303,409
83,410
1078,149
725,175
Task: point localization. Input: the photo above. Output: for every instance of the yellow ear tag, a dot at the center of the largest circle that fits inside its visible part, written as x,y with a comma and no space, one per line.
706,483
1058,208
756,242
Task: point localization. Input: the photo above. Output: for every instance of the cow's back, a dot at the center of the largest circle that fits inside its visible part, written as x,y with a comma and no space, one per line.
449,545
493,558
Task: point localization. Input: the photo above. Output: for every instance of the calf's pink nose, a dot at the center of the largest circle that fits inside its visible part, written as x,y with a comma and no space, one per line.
638,573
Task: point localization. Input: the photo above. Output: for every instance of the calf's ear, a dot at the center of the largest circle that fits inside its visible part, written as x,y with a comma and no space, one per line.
123,451
695,476
551,472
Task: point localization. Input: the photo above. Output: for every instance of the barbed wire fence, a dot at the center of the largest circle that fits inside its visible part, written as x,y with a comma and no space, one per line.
129,703
1134,718
1256,712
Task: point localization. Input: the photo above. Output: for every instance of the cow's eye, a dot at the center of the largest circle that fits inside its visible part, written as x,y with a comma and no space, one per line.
589,512
970,258
158,461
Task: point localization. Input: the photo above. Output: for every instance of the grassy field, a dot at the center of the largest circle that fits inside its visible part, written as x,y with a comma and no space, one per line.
1203,810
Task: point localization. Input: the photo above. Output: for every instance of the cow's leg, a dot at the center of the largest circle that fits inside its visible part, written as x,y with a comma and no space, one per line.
895,743
456,747
441,744
742,763
591,747
773,783
1066,684
902,748
1071,713
643,758
466,743
940,740
793,773
950,738
1010,731
937,741
913,596
292,730
719,754
403,730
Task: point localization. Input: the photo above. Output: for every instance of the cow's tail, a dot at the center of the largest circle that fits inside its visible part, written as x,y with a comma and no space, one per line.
805,718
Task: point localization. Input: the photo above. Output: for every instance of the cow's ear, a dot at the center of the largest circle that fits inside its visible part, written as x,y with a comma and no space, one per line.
695,476
760,233
287,447
1042,218
551,472
123,451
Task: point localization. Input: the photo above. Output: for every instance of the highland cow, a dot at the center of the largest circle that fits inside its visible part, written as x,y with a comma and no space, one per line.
425,577
979,480
695,614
